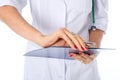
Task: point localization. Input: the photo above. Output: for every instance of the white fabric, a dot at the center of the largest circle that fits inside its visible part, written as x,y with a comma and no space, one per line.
50,15
19,4
37,68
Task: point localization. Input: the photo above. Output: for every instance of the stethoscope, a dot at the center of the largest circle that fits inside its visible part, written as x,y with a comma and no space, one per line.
93,27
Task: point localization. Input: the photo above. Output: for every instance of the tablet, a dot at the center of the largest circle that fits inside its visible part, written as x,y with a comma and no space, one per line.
63,52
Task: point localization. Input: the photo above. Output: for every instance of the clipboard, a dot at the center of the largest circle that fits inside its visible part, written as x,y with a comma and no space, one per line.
62,52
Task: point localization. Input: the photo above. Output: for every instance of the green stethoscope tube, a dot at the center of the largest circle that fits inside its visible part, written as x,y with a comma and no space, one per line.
93,27
93,12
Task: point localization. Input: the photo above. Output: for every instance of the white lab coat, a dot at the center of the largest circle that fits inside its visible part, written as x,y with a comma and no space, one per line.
50,15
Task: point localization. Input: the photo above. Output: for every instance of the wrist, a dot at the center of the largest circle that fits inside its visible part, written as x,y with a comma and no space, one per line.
38,39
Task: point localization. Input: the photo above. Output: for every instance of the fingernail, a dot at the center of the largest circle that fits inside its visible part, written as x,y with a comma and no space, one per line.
75,47
82,48
86,48
70,55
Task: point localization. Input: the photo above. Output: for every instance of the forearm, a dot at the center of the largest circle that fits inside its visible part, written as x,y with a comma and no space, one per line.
96,36
16,22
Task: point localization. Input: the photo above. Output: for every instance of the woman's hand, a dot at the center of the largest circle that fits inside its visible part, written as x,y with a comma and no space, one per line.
86,59
63,35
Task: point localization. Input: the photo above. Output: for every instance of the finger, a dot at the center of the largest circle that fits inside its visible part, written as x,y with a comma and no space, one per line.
90,59
86,62
93,56
81,41
61,34
73,38
87,57
68,40
81,59
73,55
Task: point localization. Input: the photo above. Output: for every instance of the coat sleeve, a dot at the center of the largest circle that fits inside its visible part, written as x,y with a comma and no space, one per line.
18,4
101,15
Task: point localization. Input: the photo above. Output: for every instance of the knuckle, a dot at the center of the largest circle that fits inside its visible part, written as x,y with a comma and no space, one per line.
91,59
76,35
69,41
61,29
61,32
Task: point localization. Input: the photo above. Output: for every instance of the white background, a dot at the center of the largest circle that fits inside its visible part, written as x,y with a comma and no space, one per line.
12,48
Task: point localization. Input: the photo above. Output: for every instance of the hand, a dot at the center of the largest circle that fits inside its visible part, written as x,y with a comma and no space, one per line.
73,40
85,58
